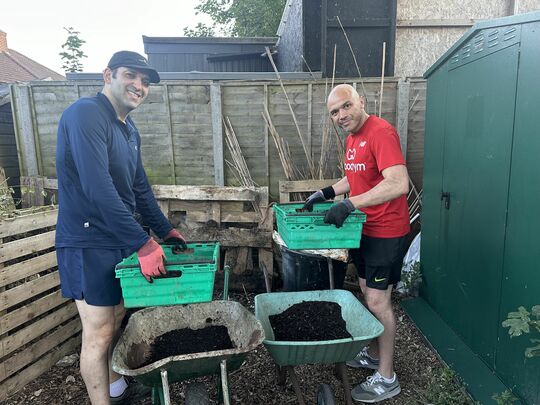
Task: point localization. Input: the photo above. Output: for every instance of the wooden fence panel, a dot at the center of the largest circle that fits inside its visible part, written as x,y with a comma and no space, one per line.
415,135
177,125
37,325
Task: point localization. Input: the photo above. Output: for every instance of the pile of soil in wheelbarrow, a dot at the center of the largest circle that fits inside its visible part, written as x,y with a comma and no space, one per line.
310,321
186,341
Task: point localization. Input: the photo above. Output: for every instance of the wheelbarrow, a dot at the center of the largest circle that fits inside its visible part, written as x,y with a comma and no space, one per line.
360,323
144,326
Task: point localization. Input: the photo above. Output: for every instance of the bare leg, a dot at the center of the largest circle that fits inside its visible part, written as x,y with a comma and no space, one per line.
380,305
373,348
119,313
98,332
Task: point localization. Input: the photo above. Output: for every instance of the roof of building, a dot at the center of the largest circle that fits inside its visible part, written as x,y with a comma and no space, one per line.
15,67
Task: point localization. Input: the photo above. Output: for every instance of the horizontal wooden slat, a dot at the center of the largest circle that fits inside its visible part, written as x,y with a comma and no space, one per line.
38,349
28,222
12,385
11,343
304,185
203,216
25,246
233,237
30,311
28,290
209,193
27,268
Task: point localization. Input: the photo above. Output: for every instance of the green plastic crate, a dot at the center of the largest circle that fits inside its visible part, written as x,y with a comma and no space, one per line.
360,323
190,277
307,230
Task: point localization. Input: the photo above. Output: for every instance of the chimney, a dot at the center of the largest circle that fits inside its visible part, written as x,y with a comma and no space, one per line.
3,41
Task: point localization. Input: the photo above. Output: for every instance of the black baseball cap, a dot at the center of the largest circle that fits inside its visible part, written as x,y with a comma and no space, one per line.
134,61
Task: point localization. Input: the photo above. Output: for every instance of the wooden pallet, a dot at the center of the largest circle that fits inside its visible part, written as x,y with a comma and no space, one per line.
37,326
238,217
289,191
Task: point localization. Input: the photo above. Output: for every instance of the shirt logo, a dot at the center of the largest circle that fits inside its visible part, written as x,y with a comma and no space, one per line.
351,154
362,144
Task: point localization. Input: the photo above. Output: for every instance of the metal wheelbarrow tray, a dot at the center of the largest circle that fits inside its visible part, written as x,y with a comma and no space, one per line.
144,326
360,323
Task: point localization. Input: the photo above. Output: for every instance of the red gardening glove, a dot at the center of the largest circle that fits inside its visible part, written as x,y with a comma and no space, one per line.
151,260
175,238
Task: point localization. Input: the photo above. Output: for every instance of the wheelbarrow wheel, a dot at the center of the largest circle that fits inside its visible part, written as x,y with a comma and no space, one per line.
196,394
325,395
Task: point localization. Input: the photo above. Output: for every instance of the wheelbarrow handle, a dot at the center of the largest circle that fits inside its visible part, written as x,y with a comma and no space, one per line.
226,271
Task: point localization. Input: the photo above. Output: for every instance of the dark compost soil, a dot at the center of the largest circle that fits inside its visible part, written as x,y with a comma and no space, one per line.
186,341
310,321
255,383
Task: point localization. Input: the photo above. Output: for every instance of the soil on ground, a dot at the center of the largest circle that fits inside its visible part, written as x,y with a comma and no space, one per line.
310,321
186,341
255,383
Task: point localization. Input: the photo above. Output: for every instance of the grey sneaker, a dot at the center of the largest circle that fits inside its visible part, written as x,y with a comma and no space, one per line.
364,360
375,389
135,391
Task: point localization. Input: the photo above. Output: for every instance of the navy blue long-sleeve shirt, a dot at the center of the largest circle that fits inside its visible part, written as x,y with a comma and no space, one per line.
101,180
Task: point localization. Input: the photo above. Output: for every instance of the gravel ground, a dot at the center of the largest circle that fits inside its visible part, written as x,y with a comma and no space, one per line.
255,382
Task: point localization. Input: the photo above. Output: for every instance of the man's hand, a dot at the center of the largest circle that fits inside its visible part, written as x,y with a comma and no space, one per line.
339,213
151,260
316,197
175,238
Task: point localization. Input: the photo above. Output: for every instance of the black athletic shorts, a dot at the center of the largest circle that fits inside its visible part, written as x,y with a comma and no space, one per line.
379,260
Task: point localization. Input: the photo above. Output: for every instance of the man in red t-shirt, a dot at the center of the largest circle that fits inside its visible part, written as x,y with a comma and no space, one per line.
377,182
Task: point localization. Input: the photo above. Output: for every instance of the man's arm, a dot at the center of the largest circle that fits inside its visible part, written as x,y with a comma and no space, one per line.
88,142
394,184
342,186
146,203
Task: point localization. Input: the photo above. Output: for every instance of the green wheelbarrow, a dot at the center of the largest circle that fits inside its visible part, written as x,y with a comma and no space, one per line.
144,326
361,324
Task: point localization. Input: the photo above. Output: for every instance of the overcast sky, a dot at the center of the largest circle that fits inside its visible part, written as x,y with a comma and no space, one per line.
35,27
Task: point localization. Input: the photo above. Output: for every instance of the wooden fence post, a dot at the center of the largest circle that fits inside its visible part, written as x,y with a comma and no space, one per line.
217,132
24,130
402,112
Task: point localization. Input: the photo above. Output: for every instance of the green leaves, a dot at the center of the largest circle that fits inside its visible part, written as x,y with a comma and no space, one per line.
72,52
520,322
239,18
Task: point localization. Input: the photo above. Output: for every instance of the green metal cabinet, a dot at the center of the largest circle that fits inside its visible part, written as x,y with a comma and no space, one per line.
480,225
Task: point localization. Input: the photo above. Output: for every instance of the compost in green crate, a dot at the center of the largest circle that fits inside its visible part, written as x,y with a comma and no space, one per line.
187,341
310,321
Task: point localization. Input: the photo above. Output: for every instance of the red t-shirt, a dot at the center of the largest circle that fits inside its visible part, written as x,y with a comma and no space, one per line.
370,150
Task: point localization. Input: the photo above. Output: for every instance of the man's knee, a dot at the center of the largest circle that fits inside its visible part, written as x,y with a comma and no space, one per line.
377,301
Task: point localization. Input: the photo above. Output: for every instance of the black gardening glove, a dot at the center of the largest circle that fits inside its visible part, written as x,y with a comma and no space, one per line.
319,196
339,213
316,197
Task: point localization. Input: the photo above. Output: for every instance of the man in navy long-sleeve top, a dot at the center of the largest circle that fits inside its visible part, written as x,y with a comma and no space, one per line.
101,181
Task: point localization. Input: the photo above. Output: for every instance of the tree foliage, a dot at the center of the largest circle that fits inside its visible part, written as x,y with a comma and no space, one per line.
239,18
200,30
72,52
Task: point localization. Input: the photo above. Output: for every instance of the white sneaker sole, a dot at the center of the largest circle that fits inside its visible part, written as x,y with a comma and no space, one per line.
382,397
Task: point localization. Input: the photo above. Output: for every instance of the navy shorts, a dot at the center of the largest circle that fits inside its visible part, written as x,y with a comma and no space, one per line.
88,274
379,260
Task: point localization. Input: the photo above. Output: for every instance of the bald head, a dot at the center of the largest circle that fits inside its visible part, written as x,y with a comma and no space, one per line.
346,108
343,91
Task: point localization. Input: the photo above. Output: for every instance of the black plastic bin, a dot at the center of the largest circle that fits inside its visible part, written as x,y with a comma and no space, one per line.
308,272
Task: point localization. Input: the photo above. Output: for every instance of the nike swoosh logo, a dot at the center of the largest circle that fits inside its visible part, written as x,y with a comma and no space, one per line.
378,280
